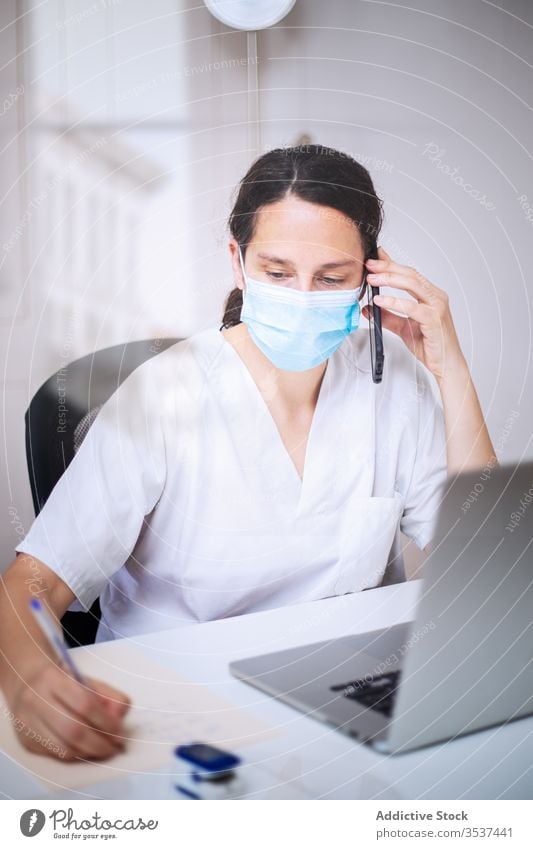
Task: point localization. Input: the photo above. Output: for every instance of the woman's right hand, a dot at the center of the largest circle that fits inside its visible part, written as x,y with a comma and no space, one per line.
55,715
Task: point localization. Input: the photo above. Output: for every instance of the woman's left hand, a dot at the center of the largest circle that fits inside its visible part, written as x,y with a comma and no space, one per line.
427,328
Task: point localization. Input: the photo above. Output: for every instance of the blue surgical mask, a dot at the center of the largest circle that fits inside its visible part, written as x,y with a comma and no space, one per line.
297,330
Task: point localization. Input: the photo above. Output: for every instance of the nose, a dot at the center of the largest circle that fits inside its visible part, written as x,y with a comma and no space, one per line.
304,283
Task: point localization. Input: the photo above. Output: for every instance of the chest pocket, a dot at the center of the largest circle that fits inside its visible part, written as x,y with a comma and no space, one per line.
366,540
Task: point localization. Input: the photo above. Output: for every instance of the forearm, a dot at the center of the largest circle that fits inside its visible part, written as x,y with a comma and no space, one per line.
23,646
467,439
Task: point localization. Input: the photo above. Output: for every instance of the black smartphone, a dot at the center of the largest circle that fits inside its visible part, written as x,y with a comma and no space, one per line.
377,354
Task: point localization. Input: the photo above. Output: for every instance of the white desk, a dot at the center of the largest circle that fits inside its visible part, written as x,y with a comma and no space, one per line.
308,759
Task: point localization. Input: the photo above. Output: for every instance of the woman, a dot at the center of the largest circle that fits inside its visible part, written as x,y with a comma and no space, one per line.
256,464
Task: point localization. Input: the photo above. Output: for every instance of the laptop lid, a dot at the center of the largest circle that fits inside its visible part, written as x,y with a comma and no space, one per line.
469,659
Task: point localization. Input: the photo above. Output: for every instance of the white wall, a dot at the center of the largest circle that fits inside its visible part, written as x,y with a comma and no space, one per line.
130,238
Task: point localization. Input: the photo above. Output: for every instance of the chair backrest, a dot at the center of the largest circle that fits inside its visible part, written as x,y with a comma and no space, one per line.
57,420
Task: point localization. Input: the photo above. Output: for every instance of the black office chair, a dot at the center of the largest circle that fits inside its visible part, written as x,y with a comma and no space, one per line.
84,385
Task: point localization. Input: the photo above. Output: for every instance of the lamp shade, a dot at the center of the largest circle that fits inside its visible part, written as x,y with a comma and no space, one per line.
249,15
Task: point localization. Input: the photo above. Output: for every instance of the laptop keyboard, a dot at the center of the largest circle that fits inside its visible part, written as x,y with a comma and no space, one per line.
376,693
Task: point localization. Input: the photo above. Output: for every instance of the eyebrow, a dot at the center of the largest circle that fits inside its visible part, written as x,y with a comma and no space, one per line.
281,261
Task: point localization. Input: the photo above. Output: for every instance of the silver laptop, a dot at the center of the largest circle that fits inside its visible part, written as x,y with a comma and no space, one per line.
465,663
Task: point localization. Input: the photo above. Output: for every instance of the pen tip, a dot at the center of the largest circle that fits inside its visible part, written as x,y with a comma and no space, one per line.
35,603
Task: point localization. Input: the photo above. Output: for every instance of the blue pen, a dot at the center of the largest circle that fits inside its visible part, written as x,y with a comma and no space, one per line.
49,630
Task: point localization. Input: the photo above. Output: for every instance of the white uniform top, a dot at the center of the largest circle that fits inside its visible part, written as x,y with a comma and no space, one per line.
183,504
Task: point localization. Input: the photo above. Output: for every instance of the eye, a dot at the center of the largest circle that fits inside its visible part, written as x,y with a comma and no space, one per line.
276,275
332,281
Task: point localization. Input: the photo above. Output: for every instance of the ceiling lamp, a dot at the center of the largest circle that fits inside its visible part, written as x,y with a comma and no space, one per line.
250,15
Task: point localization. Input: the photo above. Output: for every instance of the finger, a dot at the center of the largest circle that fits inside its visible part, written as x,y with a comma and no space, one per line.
389,321
423,290
30,721
84,724
412,309
386,264
37,736
71,731
83,738
118,702
79,731
86,703
44,740
384,260
58,741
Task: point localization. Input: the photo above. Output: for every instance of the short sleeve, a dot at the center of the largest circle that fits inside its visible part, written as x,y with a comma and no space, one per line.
92,519
429,469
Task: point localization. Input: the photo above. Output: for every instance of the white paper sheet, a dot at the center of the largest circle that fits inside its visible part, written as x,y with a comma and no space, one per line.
166,710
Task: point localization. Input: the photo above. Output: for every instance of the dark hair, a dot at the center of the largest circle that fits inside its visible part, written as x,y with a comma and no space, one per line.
313,173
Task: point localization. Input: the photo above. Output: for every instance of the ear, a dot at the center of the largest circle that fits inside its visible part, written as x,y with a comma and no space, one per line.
238,278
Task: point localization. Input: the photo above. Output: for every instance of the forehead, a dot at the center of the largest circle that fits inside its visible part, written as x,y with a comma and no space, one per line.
301,223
